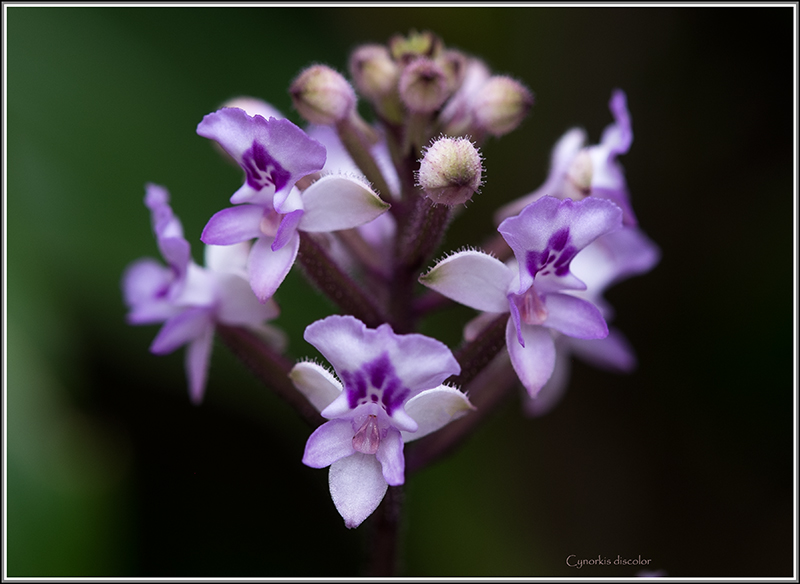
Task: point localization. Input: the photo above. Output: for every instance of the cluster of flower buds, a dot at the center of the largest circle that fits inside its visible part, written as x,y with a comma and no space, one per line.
362,208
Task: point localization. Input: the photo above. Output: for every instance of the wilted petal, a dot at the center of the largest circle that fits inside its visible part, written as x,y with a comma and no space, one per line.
267,269
328,443
357,487
535,361
181,329
339,202
472,278
435,408
316,383
234,225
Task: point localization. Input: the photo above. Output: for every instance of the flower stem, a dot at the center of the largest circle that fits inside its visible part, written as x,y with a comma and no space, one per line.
270,367
385,540
336,284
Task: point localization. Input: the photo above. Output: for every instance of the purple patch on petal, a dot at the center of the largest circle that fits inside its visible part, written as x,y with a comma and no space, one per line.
375,382
262,169
557,252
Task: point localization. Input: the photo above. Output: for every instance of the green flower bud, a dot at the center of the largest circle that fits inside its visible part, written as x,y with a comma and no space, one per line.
501,105
450,171
322,95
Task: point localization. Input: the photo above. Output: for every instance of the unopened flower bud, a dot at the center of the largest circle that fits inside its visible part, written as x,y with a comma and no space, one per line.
450,172
322,95
374,72
423,86
416,44
454,65
501,104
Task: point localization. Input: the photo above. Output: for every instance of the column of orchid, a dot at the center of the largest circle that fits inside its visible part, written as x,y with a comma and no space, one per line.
362,208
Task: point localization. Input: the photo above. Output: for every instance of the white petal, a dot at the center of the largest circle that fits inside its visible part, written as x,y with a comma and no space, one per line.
473,278
316,383
357,487
434,408
339,202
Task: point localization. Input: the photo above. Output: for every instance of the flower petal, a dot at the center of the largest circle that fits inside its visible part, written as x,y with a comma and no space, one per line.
574,317
390,455
228,259
339,202
473,278
328,443
316,383
533,363
145,284
613,353
181,329
552,391
435,408
236,304
419,362
233,225
267,269
287,229
198,356
357,487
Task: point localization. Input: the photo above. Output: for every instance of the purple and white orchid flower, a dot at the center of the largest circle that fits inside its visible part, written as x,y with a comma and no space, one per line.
275,154
578,171
189,299
609,259
391,392
545,238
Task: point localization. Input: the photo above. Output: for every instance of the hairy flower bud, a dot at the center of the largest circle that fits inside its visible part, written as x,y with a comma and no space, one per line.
423,86
450,172
415,45
454,65
374,72
322,95
501,105
580,174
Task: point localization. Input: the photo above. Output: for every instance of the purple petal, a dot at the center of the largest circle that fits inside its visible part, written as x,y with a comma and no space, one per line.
267,269
198,356
234,225
328,443
236,304
418,361
552,391
548,233
390,455
574,317
533,363
181,329
618,136
613,353
357,487
274,153
287,229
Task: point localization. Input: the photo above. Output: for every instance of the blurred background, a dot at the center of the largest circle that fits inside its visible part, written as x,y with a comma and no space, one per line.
688,462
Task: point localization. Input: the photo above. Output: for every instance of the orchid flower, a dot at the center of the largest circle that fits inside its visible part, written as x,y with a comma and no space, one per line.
578,171
189,299
275,154
391,392
609,259
545,238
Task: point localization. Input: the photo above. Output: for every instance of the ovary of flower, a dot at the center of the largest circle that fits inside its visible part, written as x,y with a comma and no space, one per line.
545,238
391,392
274,155
578,171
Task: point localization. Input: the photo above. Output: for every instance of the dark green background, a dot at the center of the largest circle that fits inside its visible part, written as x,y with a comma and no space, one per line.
688,462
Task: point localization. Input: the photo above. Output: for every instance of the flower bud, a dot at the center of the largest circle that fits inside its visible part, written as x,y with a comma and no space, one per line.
417,44
450,172
501,105
374,72
423,86
454,65
322,95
